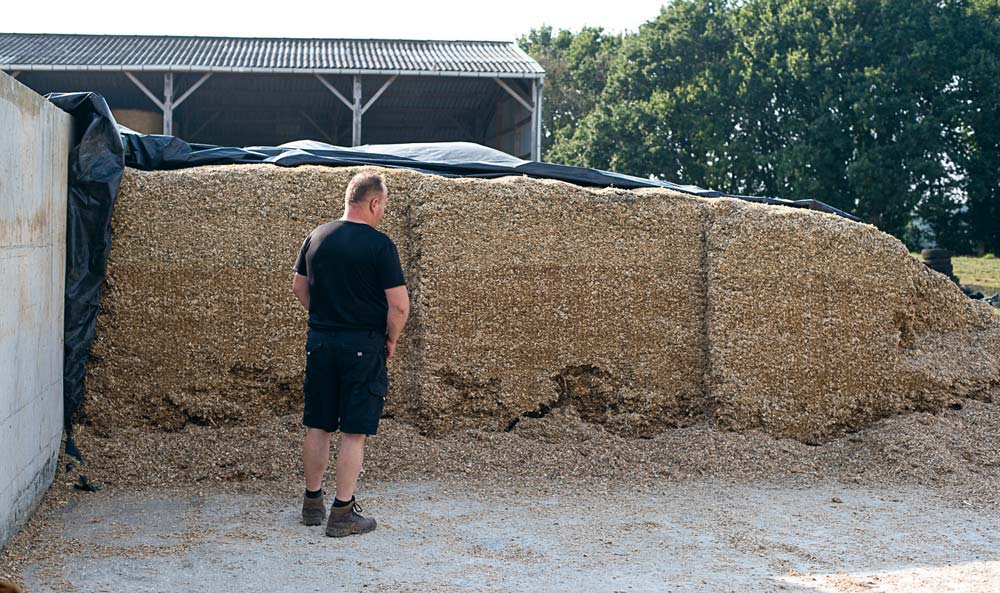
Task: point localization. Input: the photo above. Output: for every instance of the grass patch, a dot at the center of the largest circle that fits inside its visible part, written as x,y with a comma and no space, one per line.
978,273
983,272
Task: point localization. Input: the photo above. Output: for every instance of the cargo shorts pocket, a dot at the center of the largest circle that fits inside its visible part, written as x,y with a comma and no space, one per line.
314,364
371,403
379,386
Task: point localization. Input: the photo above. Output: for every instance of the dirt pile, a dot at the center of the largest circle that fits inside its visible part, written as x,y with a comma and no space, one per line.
637,310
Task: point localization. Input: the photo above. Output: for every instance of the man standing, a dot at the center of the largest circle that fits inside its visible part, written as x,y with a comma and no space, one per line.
349,278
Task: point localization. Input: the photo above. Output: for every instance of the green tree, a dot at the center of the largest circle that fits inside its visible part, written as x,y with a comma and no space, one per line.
857,98
576,67
880,107
665,110
846,101
977,147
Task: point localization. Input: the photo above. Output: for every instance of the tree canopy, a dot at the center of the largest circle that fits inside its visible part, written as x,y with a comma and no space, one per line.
887,109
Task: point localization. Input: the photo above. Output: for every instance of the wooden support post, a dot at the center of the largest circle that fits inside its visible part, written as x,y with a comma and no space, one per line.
538,106
357,109
536,119
168,103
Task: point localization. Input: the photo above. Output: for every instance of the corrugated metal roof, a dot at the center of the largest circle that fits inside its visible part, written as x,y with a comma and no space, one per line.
44,51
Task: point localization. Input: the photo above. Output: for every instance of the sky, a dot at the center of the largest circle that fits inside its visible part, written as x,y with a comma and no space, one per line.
464,20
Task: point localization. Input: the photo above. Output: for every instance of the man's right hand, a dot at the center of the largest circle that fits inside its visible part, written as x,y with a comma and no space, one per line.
390,349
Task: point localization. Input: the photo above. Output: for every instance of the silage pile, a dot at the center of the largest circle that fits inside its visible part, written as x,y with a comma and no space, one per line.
638,310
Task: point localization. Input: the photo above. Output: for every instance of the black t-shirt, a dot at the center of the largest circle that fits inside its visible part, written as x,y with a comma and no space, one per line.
349,265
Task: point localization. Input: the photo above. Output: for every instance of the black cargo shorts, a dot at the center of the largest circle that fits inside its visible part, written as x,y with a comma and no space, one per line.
346,381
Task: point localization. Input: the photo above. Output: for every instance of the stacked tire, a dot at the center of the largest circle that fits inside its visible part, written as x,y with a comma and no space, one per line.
939,260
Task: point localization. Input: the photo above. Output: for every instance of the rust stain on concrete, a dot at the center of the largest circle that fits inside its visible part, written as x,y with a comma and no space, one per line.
20,231
7,231
38,224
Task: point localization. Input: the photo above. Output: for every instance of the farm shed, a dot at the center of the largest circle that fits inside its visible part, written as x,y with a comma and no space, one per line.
256,91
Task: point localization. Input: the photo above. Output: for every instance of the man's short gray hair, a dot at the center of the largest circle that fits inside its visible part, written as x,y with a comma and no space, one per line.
363,185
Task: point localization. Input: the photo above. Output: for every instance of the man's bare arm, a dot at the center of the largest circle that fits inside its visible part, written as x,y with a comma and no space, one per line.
399,311
300,286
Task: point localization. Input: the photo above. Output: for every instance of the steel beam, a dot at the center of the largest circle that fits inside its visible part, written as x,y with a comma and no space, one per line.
535,109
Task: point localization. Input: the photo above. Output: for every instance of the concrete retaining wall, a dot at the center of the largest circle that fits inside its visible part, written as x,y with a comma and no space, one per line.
34,144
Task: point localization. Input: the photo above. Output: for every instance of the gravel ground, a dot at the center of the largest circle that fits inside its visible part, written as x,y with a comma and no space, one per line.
906,505
699,536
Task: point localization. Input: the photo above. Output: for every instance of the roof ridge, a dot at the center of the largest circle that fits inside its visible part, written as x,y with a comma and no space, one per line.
256,38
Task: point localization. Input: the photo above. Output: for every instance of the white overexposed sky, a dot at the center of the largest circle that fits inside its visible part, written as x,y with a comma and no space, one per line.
398,19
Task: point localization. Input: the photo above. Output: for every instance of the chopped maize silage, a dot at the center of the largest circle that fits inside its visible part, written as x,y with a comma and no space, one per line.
197,323
818,324
642,310
535,294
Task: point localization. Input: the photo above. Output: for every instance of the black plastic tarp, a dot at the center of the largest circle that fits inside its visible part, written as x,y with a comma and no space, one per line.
95,170
101,149
450,159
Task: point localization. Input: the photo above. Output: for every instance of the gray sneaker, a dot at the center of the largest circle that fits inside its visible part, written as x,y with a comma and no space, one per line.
313,511
347,520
